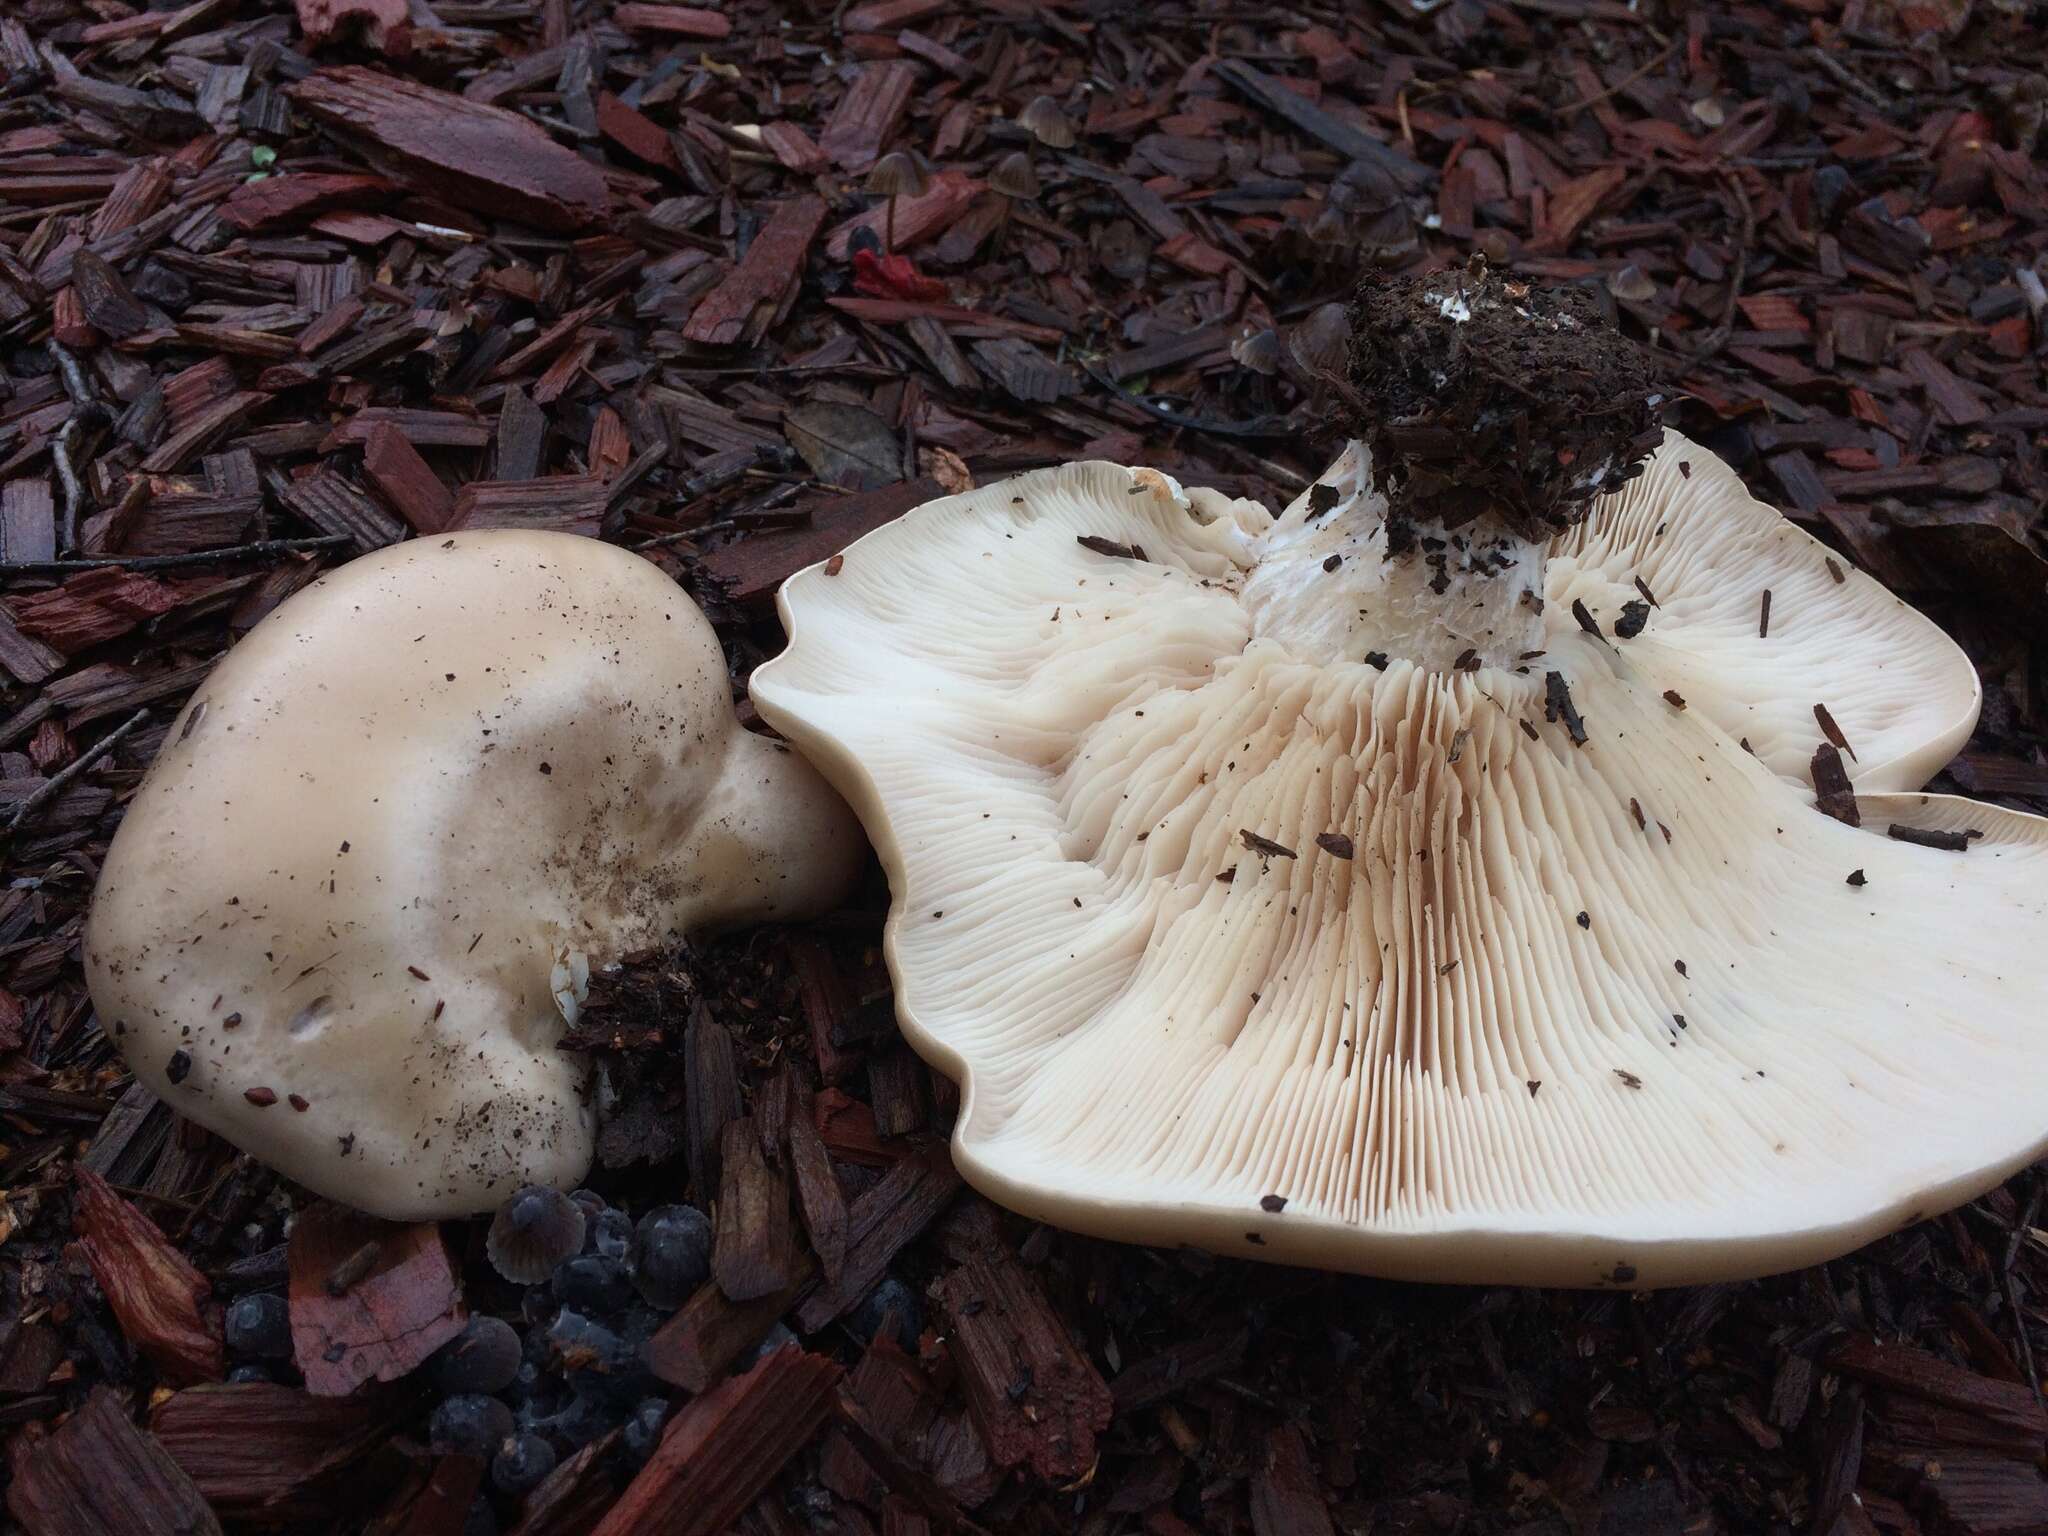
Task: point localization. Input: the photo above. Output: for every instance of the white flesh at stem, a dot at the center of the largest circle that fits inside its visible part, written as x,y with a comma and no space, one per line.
1482,598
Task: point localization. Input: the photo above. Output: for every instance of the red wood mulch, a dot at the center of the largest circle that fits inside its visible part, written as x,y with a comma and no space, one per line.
278,288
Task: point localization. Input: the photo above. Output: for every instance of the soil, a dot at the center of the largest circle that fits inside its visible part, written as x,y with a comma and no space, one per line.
1485,400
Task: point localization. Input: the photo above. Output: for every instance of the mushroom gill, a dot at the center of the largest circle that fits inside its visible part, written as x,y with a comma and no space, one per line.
1242,928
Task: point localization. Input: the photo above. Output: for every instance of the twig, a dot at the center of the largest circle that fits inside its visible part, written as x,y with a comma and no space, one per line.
1847,78
85,410
75,383
1717,338
1261,426
726,524
55,784
632,473
262,549
2005,1284
67,480
1622,84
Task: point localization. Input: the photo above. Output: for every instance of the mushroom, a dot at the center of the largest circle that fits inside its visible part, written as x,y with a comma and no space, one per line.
1014,177
357,900
1386,885
532,1232
1043,119
1258,350
900,173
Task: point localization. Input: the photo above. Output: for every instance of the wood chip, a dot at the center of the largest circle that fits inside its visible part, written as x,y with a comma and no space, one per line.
1034,1395
257,1450
754,1253
754,567
878,1226
1287,1497
725,1446
867,114
558,504
918,219
28,524
164,1306
477,156
110,305
333,505
818,1194
1832,731
1264,845
1557,705
772,266
696,1347
98,1473
423,429
405,1305
375,19
405,481
1831,788
1174,1370
712,1097
572,1498
673,20
634,132
1298,110
1927,837
277,202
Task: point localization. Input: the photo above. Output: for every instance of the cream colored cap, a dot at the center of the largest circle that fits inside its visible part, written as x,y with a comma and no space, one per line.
360,892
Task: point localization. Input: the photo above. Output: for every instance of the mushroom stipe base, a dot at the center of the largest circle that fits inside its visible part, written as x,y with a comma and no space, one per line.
1581,1013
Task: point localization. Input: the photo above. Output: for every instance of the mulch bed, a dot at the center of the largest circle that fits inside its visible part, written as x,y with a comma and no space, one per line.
278,288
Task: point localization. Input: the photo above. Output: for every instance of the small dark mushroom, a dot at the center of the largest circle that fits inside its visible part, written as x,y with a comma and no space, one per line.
533,1232
1258,351
900,173
1045,122
1015,177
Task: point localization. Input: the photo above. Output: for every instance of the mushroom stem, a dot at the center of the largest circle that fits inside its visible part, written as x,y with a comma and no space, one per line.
1486,417
1326,585
771,814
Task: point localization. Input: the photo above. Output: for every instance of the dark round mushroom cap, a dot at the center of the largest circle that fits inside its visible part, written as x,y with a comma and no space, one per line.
1258,351
1015,176
1479,395
900,173
1045,122
533,1232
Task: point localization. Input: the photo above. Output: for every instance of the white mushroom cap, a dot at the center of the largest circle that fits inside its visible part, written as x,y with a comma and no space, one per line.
1235,939
396,829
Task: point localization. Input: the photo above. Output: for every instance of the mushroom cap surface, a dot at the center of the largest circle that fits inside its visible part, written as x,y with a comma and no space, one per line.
1234,940
1045,120
900,173
1014,176
353,901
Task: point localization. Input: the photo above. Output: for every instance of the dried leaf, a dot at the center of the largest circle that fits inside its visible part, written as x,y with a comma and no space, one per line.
845,445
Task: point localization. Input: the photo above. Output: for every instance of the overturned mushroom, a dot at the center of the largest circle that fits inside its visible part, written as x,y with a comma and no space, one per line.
1347,888
360,893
